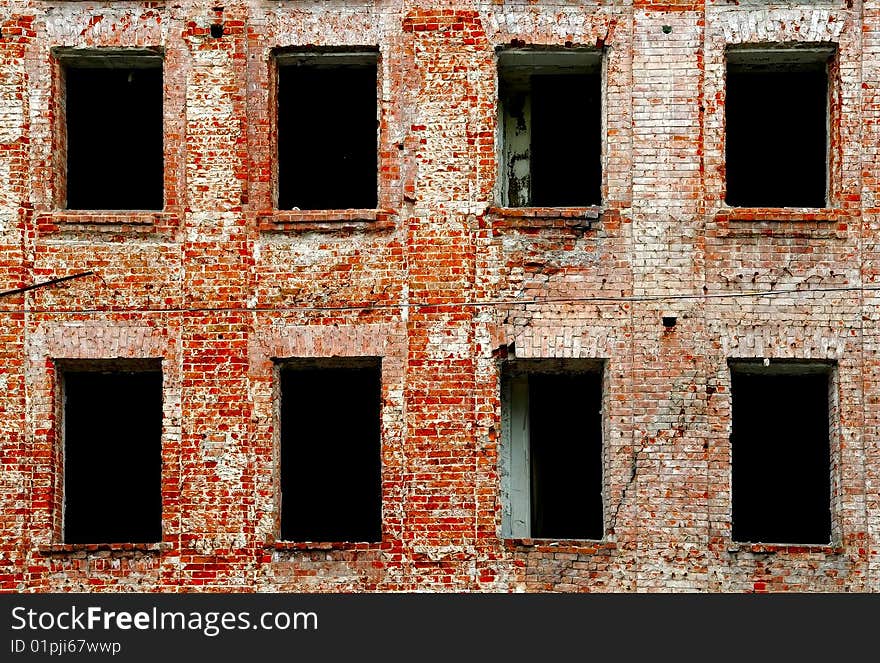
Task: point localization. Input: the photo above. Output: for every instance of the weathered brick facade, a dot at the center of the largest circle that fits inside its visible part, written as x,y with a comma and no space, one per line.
445,286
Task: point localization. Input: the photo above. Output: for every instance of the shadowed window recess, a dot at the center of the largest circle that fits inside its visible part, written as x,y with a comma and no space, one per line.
780,452
553,450
550,118
327,130
330,450
114,130
112,453
777,144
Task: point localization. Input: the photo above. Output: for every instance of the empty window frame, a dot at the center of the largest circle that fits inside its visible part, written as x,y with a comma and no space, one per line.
112,129
327,125
330,450
550,119
777,119
112,423
780,452
553,449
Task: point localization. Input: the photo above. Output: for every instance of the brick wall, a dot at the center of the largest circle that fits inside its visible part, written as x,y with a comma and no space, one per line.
444,286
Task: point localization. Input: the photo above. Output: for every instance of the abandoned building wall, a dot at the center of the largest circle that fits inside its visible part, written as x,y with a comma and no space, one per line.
447,284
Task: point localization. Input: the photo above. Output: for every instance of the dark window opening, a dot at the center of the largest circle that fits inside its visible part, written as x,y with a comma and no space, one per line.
777,128
327,131
551,125
114,133
555,452
330,452
780,454
112,456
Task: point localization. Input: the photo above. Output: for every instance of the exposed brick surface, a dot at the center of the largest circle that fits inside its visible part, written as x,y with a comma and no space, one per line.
443,285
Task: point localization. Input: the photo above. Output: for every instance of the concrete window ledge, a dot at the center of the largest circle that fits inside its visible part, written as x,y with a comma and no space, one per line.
326,220
105,218
293,546
80,548
785,549
545,217
569,546
789,214
790,222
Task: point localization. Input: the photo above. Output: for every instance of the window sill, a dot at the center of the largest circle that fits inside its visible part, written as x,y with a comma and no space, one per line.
75,548
102,218
785,221
324,545
326,220
543,217
785,548
577,546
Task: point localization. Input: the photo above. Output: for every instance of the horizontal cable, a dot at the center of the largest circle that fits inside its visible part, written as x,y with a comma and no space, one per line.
613,300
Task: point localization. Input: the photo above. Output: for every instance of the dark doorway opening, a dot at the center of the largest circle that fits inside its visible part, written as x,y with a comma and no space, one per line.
114,137
112,456
780,455
327,132
551,127
330,452
777,132
566,140
565,443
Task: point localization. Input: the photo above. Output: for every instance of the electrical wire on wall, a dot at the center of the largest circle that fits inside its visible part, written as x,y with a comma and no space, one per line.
43,284
613,300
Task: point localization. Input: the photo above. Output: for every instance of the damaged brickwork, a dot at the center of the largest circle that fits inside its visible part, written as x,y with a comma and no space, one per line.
442,285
